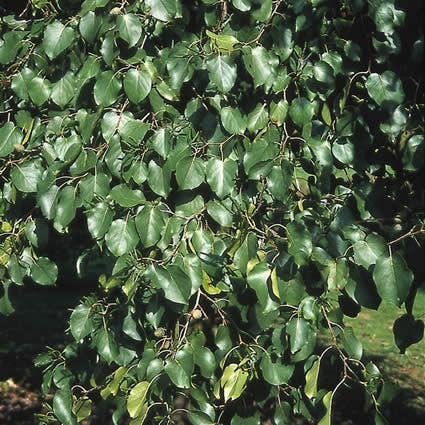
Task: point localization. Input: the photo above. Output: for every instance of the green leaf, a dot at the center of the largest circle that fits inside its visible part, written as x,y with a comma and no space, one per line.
122,237
62,407
352,345
197,417
137,85
233,382
276,372
413,153
327,401
66,207
99,220
385,89
44,272
223,42
221,176
260,64
106,345
278,112
136,401
233,121
106,89
163,10
205,359
25,177
300,245
407,331
159,179
80,322
393,278
222,72
257,279
246,252
129,28
190,173
89,26
126,197
64,90
311,378
301,111
150,225
9,137
299,331
180,369
175,283
39,90
258,118
57,38
367,252
221,212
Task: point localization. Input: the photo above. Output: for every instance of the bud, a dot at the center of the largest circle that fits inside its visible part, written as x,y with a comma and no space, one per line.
115,11
19,148
197,314
159,333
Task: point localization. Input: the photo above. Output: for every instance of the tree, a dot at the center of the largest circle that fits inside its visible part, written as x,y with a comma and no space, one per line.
246,173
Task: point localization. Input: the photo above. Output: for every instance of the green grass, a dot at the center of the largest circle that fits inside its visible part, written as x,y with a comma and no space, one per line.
374,330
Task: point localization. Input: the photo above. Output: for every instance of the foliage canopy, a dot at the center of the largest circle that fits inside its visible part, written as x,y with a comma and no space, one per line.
241,175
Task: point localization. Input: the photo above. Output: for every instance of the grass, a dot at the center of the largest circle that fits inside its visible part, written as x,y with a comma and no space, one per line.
374,330
41,318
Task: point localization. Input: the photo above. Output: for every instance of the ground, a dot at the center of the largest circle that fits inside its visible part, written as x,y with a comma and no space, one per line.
40,320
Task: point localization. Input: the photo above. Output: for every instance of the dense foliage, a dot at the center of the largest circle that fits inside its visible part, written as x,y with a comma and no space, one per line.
240,175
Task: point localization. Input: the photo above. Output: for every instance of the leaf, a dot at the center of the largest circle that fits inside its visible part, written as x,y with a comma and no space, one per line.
180,369
199,418
352,345
385,89
57,38
327,401
223,42
301,111
159,179
136,401
257,279
367,252
311,378
190,173
205,359
137,85
39,90
62,407
64,90
89,26
163,10
278,112
9,137
276,372
99,220
393,278
25,177
122,237
44,271
245,252
221,176
300,245
407,331
80,322
222,72
233,121
106,345
129,28
175,283
106,89
260,64
66,207
126,197
299,331
150,225
233,382
258,118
